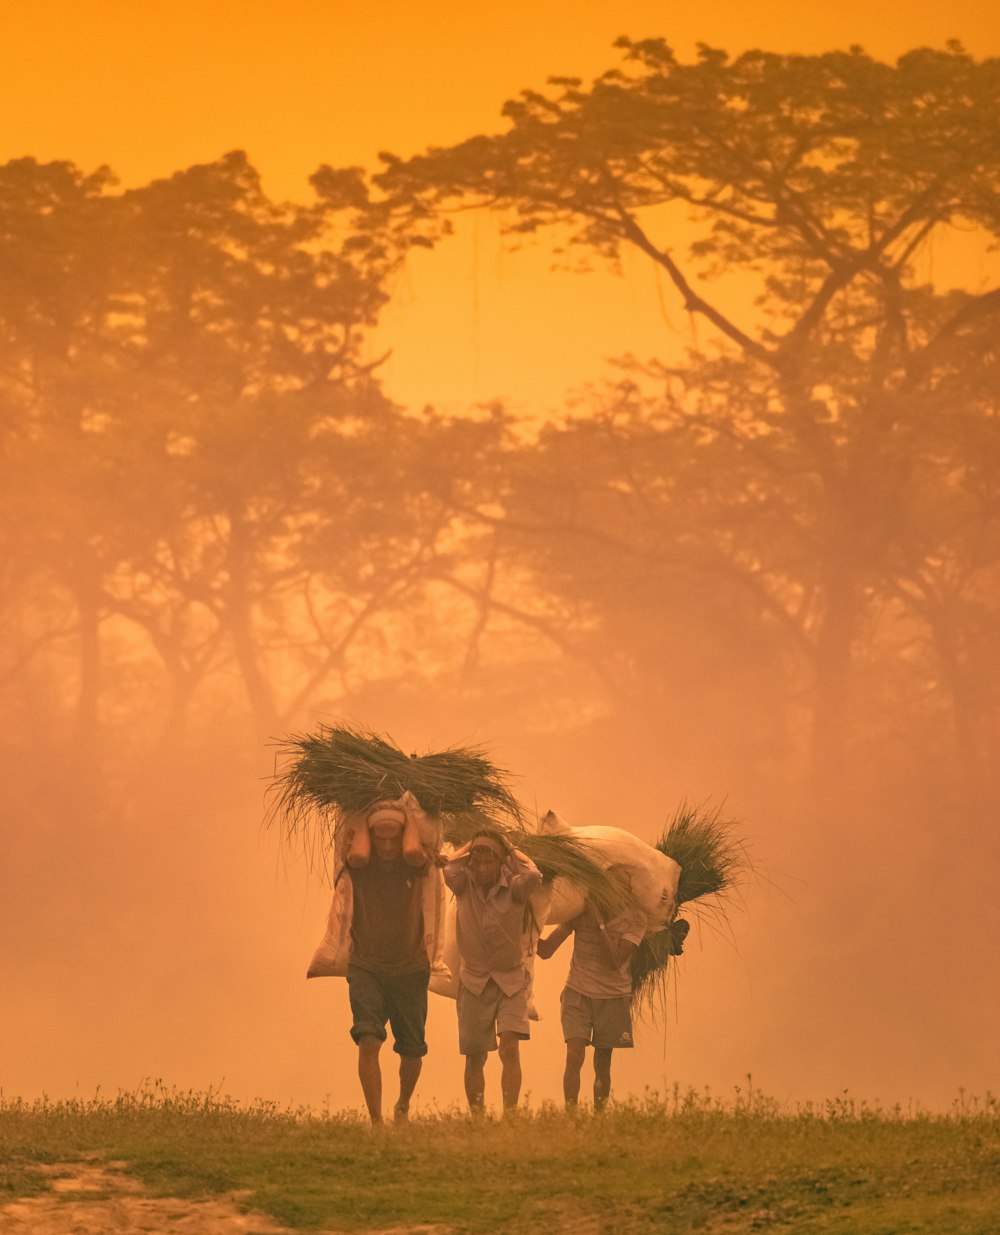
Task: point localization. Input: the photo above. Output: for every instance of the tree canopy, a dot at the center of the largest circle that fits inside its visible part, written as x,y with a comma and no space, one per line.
798,517
827,418
204,479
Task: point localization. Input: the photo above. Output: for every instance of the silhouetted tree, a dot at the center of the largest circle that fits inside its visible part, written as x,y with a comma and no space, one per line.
261,417
826,180
54,302
195,448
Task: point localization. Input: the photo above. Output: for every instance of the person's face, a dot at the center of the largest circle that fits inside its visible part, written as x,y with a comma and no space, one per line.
387,845
484,862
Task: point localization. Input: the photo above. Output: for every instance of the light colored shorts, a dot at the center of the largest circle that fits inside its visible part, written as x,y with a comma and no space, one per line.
482,1017
603,1023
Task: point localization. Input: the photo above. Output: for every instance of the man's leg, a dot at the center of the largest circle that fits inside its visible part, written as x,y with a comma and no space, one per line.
475,1081
602,1076
368,1031
510,1075
409,1071
370,1075
408,1016
477,1016
576,1050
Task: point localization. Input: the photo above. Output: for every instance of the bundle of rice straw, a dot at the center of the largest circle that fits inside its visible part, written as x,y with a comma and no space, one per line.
324,778
342,770
713,861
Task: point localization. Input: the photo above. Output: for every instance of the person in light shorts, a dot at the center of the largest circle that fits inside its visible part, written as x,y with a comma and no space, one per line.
492,883
596,1003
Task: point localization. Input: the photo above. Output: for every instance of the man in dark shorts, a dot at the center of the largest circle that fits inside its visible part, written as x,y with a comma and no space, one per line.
388,969
596,1001
491,882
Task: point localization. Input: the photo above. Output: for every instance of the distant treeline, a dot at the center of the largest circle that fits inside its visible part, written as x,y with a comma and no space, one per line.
209,505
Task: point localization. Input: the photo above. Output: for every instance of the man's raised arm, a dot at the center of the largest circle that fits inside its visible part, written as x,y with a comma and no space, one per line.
359,849
414,852
456,871
525,876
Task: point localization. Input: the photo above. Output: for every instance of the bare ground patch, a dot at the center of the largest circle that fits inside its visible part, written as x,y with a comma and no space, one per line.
94,1197
99,1198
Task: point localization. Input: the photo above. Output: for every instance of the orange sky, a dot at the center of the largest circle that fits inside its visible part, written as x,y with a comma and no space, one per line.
147,87
150,87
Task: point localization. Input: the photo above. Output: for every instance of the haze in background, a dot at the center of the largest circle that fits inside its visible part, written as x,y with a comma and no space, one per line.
175,947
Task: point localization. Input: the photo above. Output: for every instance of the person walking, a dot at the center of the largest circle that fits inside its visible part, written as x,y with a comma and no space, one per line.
388,969
492,882
595,1004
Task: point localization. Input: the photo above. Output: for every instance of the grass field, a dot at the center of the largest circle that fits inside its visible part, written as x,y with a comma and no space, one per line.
687,1163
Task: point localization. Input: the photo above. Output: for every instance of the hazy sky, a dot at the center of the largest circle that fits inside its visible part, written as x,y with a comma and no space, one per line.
149,87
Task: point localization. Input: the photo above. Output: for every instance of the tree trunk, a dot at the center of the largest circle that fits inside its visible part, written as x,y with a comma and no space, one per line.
87,590
833,657
174,729
239,619
972,762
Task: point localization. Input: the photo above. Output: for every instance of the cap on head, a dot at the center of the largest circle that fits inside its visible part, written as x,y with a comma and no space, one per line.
386,820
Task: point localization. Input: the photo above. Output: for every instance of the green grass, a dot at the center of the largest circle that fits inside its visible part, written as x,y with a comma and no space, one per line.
688,1163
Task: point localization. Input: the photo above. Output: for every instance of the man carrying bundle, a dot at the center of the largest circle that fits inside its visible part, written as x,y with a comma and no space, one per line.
388,969
596,1002
492,883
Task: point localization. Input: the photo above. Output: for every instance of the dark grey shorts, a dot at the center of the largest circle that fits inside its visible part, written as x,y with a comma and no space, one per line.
401,1001
603,1023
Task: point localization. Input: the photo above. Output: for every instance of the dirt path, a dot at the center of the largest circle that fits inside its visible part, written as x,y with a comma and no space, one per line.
99,1198
120,1206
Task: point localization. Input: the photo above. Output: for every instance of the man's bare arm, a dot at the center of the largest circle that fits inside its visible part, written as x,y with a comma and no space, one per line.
525,875
414,853
456,870
359,850
551,943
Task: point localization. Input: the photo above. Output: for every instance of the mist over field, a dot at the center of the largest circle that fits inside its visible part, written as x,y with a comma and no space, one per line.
757,566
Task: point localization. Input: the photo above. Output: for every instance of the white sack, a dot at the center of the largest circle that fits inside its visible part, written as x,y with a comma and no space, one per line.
653,875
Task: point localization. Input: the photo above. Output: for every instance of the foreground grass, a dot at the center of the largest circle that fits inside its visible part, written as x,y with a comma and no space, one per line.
690,1163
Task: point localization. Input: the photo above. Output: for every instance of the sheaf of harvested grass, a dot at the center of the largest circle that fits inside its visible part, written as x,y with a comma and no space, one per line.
323,778
713,861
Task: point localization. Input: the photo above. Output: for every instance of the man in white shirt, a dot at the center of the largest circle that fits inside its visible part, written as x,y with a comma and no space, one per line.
492,883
